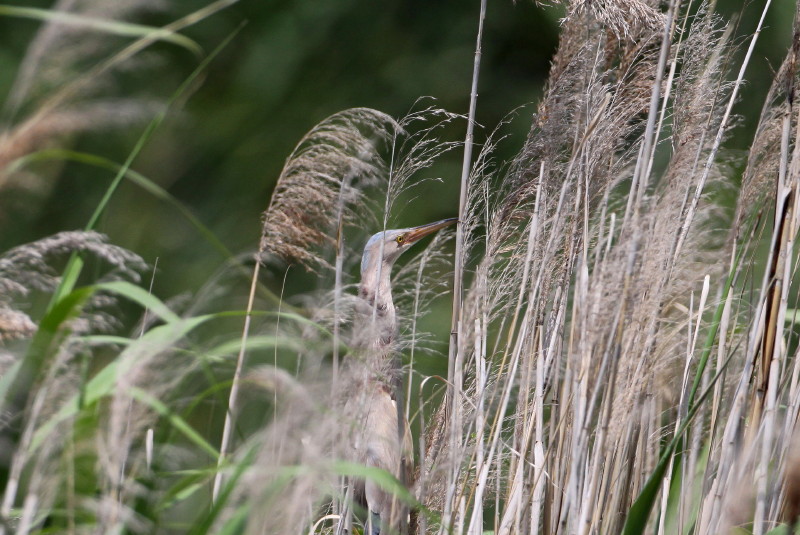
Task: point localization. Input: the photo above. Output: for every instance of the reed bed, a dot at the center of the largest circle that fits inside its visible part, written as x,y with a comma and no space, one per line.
623,355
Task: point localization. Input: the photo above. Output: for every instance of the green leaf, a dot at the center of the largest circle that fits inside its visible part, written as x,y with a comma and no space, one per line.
231,347
184,489
140,296
158,192
105,339
780,529
7,380
384,479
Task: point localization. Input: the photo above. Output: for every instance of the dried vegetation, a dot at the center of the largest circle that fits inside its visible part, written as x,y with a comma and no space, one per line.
621,363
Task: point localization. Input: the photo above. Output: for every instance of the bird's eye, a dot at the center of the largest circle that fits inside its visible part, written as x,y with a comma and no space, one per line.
399,240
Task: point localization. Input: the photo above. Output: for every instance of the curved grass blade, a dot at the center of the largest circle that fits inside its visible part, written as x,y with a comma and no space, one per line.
231,347
140,296
639,513
126,29
135,177
149,186
75,264
384,479
105,381
236,523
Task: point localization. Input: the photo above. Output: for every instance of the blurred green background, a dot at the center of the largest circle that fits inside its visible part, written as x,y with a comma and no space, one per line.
292,64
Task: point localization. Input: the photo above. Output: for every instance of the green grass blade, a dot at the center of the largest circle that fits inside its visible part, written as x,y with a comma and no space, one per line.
384,479
184,491
140,296
114,27
712,333
639,512
105,382
237,521
231,347
780,529
147,185
106,339
135,177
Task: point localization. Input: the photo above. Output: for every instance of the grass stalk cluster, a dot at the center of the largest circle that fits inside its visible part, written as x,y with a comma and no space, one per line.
623,354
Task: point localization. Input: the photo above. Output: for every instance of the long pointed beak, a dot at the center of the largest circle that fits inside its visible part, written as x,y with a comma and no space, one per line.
420,232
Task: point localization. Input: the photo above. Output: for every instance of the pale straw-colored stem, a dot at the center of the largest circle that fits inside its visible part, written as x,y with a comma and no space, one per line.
229,416
650,134
787,209
454,354
723,125
476,522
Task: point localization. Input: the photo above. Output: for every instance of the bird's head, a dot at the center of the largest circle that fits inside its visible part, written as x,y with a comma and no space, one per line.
392,243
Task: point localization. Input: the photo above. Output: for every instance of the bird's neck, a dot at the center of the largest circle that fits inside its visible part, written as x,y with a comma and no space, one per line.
376,287
376,291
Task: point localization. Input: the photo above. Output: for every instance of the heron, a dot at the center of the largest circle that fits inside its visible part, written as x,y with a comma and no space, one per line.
381,445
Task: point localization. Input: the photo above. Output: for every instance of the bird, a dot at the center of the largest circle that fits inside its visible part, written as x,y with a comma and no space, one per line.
379,444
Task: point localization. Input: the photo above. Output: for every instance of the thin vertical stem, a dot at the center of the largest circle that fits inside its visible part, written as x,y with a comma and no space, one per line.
226,430
455,330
